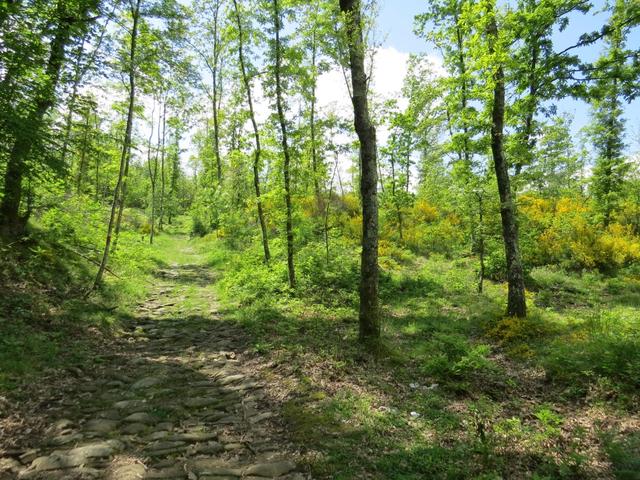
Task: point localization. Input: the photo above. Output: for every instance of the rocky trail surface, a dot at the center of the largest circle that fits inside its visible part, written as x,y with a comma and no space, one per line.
177,396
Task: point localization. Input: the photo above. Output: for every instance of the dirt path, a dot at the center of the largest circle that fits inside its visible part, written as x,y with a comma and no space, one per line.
176,397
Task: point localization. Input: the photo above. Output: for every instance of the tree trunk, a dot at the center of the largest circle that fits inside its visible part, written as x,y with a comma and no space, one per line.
256,132
83,155
153,176
516,305
163,179
369,302
126,146
480,197
285,146
312,125
215,79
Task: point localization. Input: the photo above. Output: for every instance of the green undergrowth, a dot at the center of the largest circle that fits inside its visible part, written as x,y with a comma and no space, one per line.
47,321
456,390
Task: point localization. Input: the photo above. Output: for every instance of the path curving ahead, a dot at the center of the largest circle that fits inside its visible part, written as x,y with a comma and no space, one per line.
176,397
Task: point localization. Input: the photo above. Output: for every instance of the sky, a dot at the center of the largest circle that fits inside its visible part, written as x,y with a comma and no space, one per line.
395,25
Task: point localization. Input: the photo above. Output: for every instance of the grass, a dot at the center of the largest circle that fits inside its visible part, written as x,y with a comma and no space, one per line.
46,321
458,391
454,391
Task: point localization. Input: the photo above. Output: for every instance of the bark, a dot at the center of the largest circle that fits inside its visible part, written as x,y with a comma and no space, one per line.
153,177
481,240
215,73
529,139
163,179
285,146
83,155
327,208
312,124
516,305
256,133
396,200
126,145
369,314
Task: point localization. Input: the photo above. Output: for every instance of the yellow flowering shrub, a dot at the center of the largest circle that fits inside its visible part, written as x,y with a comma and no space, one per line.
564,232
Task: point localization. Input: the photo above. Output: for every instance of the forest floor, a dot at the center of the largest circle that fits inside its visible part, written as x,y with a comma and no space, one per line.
174,395
196,362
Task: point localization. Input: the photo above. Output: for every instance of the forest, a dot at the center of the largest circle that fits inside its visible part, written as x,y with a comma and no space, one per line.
324,239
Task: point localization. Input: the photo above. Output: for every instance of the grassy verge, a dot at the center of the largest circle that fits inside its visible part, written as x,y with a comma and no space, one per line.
457,391
46,321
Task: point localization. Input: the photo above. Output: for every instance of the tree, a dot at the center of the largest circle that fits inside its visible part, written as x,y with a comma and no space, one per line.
607,129
256,132
369,302
134,6
285,143
516,303
70,19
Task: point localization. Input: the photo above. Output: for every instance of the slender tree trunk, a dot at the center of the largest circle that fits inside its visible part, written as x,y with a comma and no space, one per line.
481,240
72,103
396,201
516,305
83,155
153,176
285,145
126,146
215,73
312,123
256,132
11,222
162,164
369,301
327,207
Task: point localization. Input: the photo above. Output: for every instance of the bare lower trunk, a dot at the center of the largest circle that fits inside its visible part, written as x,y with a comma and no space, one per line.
369,302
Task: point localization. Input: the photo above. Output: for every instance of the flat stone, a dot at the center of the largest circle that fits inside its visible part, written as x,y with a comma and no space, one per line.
169,473
233,446
141,417
62,424
274,469
97,449
164,447
130,405
29,456
162,434
230,379
112,414
211,466
194,436
146,383
134,428
101,425
65,439
9,465
210,448
132,471
199,402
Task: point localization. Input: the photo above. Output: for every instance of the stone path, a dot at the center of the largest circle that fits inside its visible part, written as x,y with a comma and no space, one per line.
177,398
